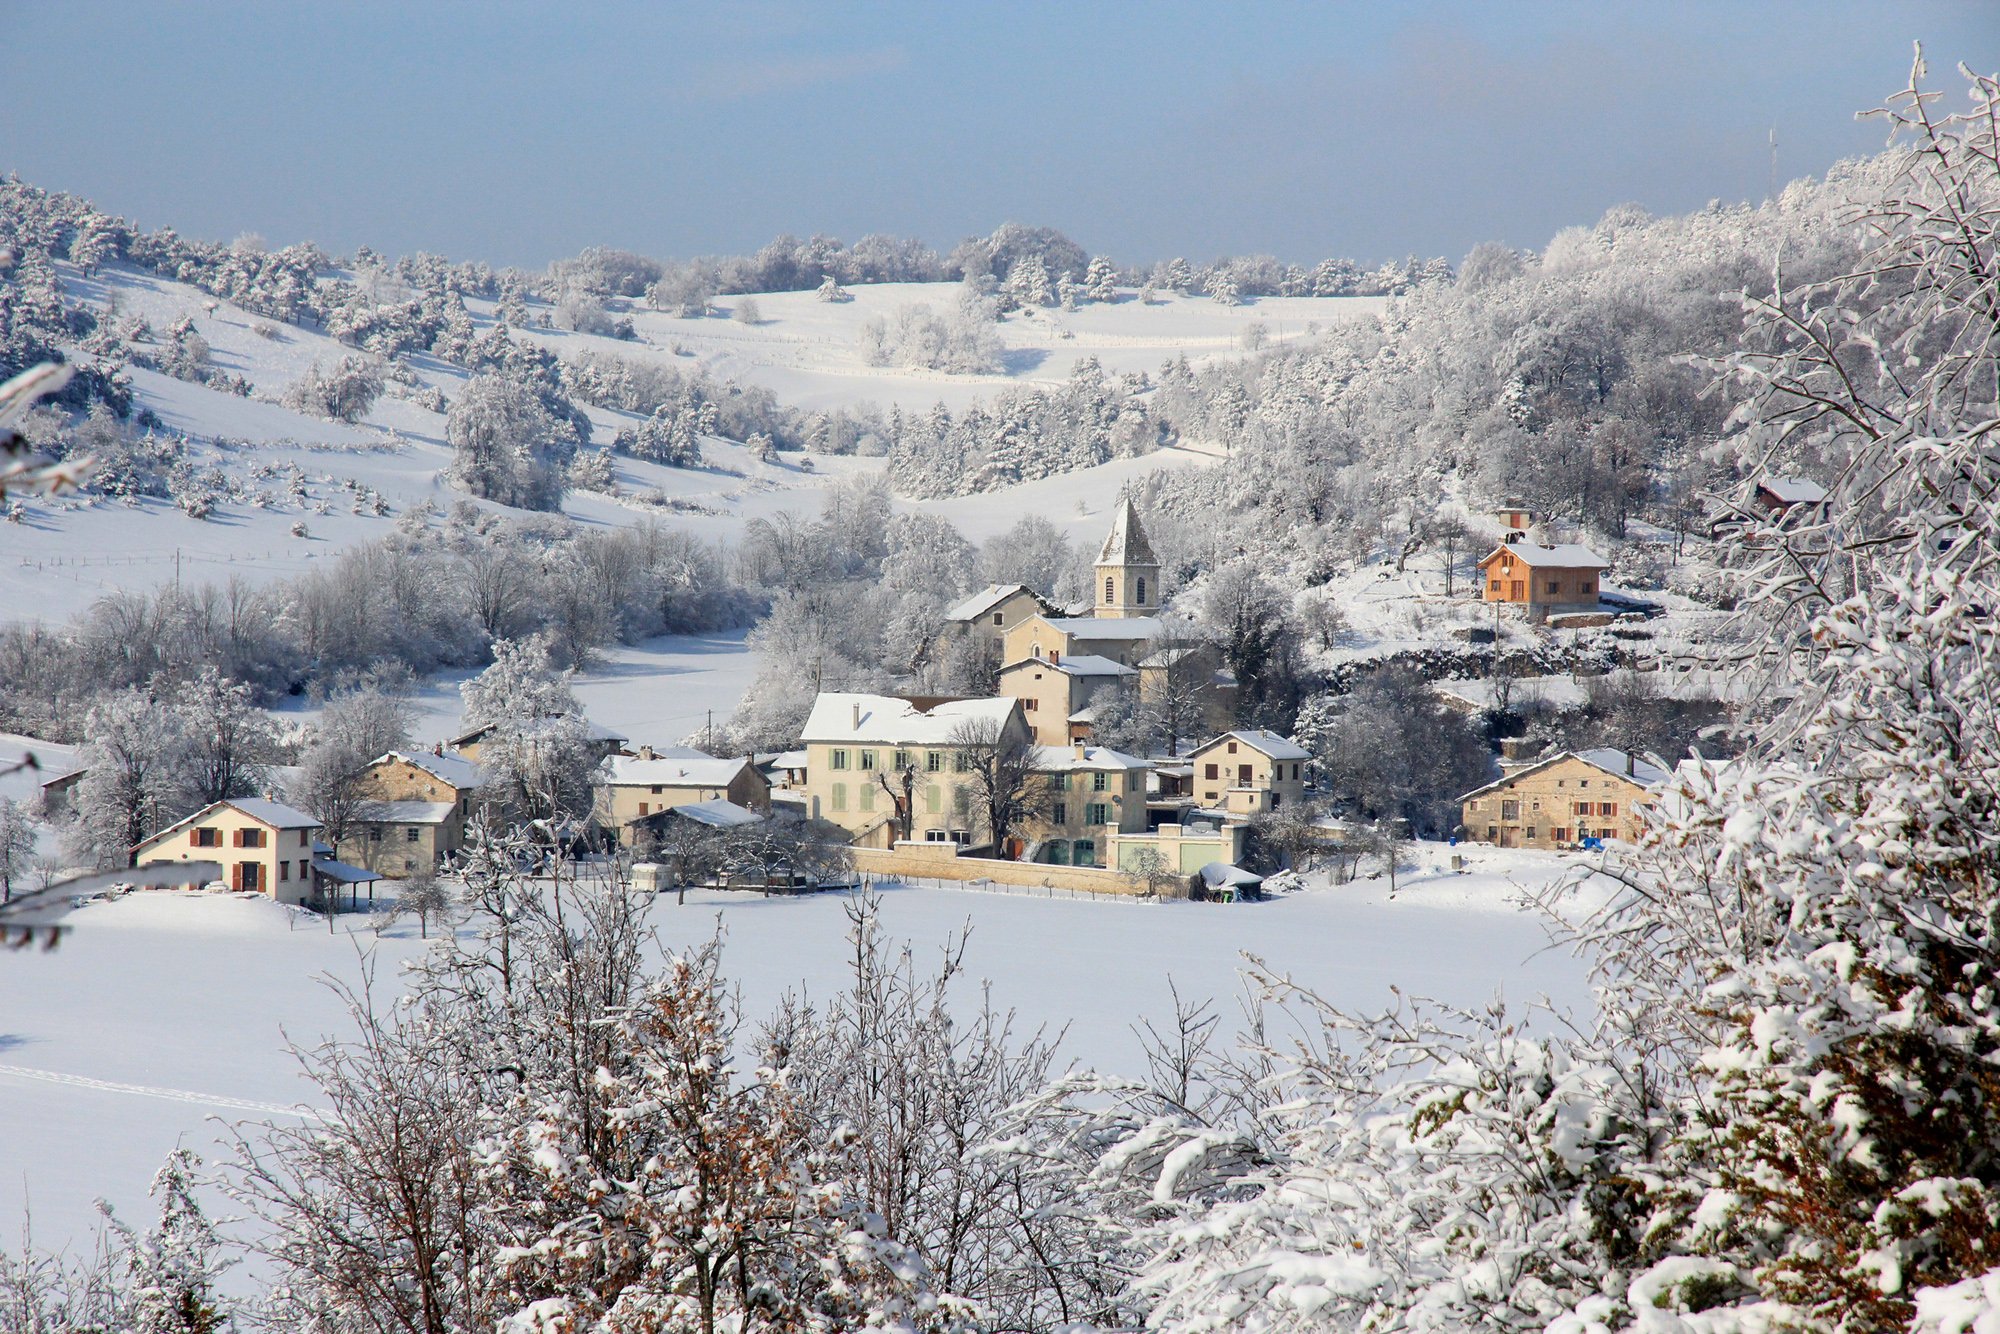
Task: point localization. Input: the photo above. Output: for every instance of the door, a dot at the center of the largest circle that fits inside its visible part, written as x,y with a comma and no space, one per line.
249,877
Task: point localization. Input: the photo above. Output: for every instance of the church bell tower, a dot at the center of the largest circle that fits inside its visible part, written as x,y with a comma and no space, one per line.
1128,573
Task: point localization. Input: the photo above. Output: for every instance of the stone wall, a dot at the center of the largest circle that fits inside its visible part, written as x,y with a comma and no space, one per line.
941,861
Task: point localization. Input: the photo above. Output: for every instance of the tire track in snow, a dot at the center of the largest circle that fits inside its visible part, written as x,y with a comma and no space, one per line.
170,1095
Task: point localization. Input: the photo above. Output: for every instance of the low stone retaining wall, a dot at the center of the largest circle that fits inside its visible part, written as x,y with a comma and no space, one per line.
940,861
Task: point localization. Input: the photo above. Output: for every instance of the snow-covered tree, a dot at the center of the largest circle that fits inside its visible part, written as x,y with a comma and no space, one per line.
229,740
17,845
507,446
831,291
173,1270
1100,282
135,782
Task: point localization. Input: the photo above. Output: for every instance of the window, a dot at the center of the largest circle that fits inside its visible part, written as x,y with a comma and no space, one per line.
1107,592
1098,781
1559,834
284,870
934,761
840,796
410,835
1059,813
1097,813
249,838
375,835
1276,801
1583,782
1295,773
867,797
656,789
937,836
1243,775
997,616
1059,782
902,760
304,865
1510,810
644,809
1232,748
1083,852
1608,808
1493,586
208,838
1211,771
1554,586
1141,599
839,758
867,760
1579,808
1030,705
961,762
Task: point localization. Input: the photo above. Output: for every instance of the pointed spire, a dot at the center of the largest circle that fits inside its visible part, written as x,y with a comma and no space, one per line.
1126,544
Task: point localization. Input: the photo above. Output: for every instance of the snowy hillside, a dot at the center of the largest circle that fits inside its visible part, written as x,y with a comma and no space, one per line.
278,468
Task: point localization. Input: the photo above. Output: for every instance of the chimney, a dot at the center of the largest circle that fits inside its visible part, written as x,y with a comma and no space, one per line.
856,726
1055,657
1630,764
646,753
437,748
1082,750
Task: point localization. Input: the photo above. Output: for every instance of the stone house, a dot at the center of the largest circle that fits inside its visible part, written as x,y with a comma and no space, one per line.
1560,801
1248,772
855,741
633,787
418,805
1092,791
1545,579
265,846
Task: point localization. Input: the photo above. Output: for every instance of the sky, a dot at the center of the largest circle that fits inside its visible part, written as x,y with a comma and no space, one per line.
519,133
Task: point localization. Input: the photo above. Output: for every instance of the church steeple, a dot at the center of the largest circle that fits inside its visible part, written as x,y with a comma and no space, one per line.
1128,573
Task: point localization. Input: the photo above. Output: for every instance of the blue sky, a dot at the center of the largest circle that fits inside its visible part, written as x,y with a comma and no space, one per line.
518,133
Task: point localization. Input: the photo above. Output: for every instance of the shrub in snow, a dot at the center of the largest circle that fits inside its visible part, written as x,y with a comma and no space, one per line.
345,393
829,290
747,312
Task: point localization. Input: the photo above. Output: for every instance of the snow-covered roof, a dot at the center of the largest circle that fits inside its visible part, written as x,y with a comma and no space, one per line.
404,812
344,872
986,599
787,759
1266,742
1611,761
889,720
1219,875
1107,627
591,731
1792,490
677,766
1614,762
1064,759
1076,664
1126,543
716,813
1567,556
450,768
273,813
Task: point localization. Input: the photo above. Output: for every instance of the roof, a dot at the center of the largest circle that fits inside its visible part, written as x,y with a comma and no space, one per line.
889,720
1107,627
404,812
787,759
1611,761
274,814
1076,664
1792,490
344,872
987,598
1268,743
716,813
1217,875
591,731
675,766
450,768
63,780
1568,556
1126,543
1064,759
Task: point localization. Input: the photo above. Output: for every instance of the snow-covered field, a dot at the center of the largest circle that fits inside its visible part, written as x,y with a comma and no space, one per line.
162,1014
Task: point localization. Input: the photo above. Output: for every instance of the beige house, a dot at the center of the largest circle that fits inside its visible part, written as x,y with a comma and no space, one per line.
265,847
1528,574
989,614
1179,849
1563,800
853,742
632,787
1248,772
1057,693
1093,791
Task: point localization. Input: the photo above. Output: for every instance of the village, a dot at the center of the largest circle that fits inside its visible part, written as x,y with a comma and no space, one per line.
1007,789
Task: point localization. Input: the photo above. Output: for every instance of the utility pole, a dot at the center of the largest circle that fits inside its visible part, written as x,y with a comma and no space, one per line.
1773,195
